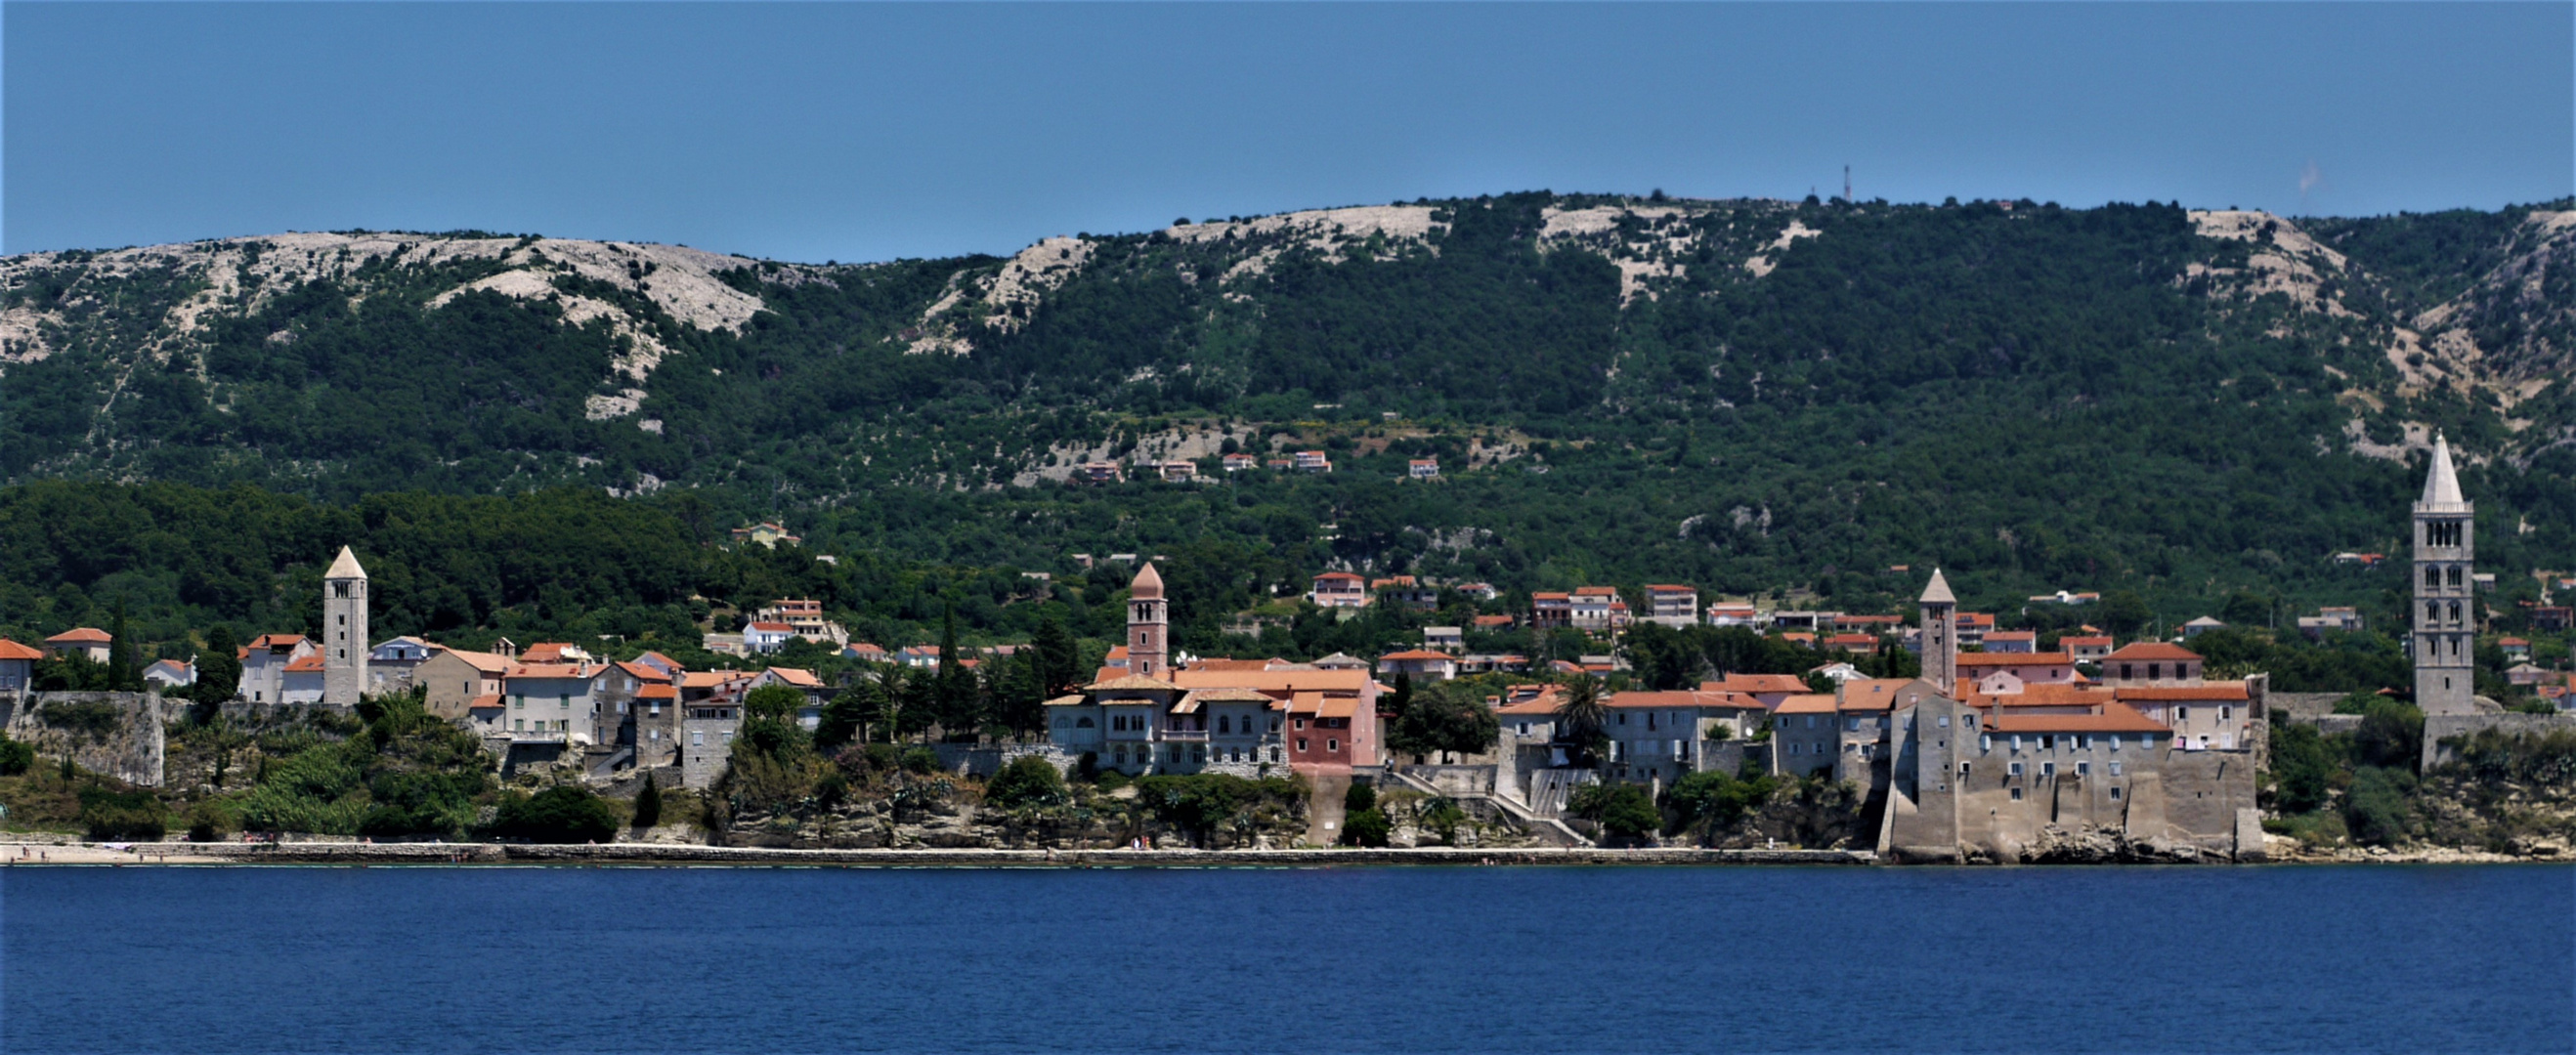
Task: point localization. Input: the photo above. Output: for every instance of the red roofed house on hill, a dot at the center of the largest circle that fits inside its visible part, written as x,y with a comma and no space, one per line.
88,642
1339,589
1421,664
264,662
2151,663
17,668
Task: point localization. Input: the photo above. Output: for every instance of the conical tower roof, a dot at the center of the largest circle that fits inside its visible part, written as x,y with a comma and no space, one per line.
1148,584
1938,590
346,567
2441,485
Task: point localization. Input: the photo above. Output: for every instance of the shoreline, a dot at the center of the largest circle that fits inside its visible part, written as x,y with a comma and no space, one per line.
685,855
352,854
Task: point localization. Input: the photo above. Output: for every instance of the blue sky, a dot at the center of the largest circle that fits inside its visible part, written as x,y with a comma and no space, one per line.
866,131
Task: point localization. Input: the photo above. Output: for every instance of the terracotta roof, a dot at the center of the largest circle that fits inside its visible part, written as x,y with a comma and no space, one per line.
2216,690
13,650
1118,652
1075,700
2013,635
1756,683
797,676
2016,659
544,652
487,702
773,628
1226,695
658,691
80,635
2043,695
2102,641
306,664
1337,575
486,662
1808,703
1337,707
1419,653
2145,650
1872,694
1543,704
1493,620
276,642
641,671
1222,663
1130,682
711,679
2115,718
1273,681
1683,698
864,648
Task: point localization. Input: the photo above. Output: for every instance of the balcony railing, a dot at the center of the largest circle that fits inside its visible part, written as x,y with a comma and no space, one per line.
1186,735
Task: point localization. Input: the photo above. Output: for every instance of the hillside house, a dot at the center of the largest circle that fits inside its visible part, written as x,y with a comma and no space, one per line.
1235,463
1848,642
1598,609
768,534
1736,613
391,664
1100,473
1448,639
2086,648
2151,663
1550,610
2200,626
2337,619
88,642
1672,605
1973,628
918,657
1180,472
551,703
17,667
2516,650
1422,468
1661,737
1422,665
1278,465
1339,589
455,682
264,662
170,675
1817,622
1313,462
2023,641
762,638
865,652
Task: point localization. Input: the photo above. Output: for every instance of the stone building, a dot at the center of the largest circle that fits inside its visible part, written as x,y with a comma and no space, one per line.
2445,609
345,645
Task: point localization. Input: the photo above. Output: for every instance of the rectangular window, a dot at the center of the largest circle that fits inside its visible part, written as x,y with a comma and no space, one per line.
1301,743
2013,770
697,738
2115,769
1332,745
2048,769
2115,794
1963,771
2082,768
2115,741
2016,794
1944,722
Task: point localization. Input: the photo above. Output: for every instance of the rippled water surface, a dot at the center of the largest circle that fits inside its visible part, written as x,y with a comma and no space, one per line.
1359,959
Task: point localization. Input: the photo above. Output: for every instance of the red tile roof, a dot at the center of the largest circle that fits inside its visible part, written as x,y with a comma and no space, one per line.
659,691
2148,650
1419,653
2216,690
773,628
1808,703
13,650
1756,683
2115,718
80,636
305,665
2016,659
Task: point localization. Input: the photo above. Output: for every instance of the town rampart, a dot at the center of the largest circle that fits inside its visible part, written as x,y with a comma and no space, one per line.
2442,732
119,734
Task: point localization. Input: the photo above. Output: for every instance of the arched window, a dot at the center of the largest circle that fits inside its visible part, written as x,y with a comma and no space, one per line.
2455,611
2455,578
1082,723
2432,611
1224,723
2432,577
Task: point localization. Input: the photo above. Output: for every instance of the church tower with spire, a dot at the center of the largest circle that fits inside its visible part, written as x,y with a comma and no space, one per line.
1940,636
1149,629
344,631
2445,611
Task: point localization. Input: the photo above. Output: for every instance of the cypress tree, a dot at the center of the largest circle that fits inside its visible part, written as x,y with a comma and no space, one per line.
648,804
122,673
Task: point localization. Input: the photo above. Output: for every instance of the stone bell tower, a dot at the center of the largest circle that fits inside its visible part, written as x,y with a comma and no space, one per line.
344,631
2445,611
1149,628
1940,635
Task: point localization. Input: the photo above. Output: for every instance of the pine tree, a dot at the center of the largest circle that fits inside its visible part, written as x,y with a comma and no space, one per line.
123,674
954,695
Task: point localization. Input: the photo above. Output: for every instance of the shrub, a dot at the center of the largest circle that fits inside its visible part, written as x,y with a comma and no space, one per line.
123,815
209,822
1718,798
1027,781
1367,827
882,758
1359,798
648,804
15,757
921,761
562,814
832,790
1630,812
1110,780
2302,767
2375,807
88,717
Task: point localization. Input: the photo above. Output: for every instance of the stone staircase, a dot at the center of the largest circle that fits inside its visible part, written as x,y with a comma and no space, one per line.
1549,830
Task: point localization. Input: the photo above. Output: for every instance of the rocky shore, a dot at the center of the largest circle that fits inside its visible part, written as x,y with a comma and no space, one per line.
354,853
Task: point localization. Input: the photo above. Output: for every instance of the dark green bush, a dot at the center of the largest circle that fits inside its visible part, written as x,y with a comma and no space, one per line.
1359,798
1027,781
562,814
15,757
921,761
1367,827
2375,810
123,815
648,804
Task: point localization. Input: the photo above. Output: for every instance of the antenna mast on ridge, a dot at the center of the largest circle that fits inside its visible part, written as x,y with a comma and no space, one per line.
1847,183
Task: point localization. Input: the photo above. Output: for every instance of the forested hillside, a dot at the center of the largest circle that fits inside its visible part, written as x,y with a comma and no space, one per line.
1745,395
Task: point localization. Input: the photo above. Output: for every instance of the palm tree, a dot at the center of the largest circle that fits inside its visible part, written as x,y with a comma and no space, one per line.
1580,715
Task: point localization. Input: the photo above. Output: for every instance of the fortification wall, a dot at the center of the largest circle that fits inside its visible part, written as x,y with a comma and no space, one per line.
116,733
2450,727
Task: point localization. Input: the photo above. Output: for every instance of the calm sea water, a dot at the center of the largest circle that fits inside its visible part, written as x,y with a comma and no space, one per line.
1394,959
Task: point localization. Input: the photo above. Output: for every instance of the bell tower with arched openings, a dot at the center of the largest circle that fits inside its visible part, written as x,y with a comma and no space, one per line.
2446,606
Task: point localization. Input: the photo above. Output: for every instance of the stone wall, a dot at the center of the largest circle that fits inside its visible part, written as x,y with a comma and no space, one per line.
119,734
2439,728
